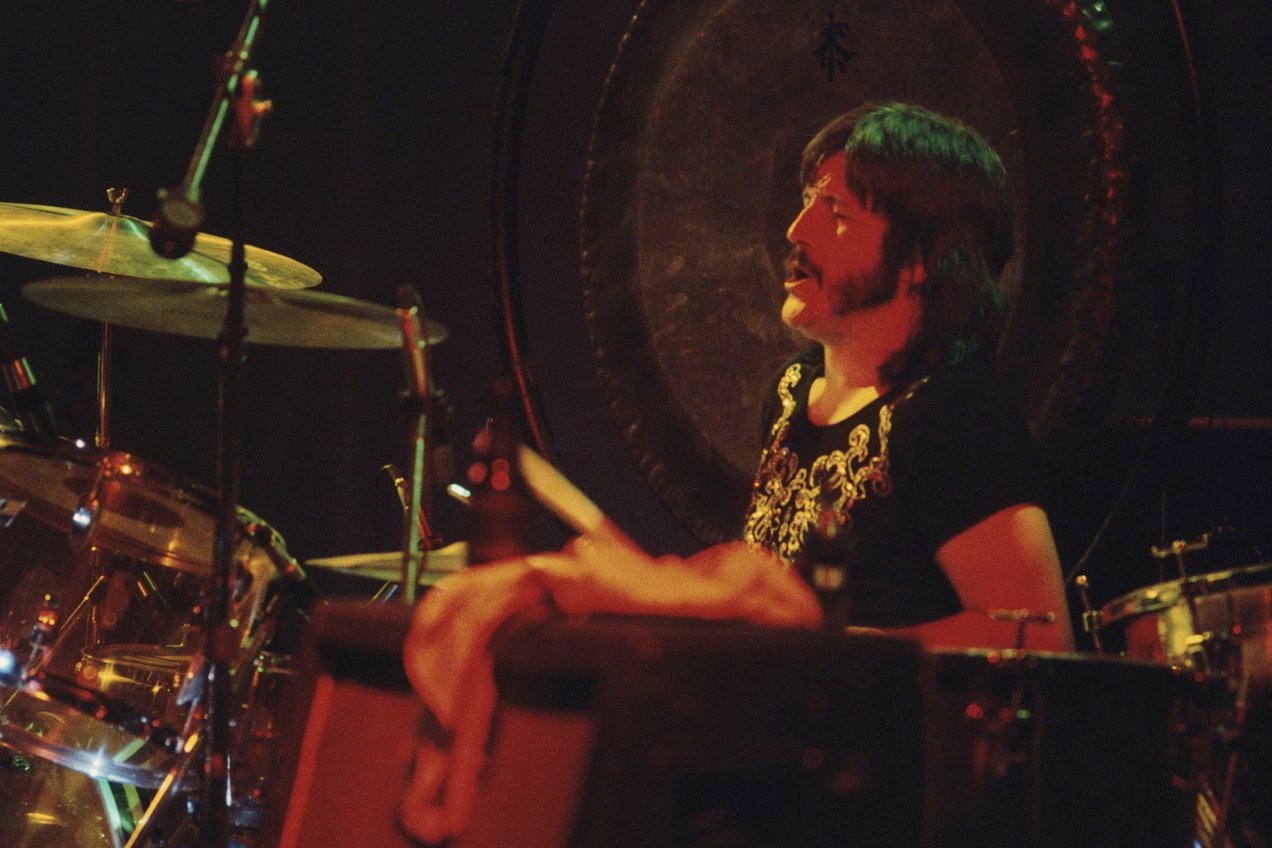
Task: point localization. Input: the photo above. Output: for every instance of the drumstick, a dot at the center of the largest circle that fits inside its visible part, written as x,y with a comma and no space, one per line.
567,502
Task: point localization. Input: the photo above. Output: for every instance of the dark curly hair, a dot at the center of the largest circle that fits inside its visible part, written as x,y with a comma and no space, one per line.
944,192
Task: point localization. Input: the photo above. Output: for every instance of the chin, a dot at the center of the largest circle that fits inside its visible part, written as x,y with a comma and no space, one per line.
792,310
796,315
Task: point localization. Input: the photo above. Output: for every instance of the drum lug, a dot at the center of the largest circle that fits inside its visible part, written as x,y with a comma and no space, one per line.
46,621
84,518
1092,620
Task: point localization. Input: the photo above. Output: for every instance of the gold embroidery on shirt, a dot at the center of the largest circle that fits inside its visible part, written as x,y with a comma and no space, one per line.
784,497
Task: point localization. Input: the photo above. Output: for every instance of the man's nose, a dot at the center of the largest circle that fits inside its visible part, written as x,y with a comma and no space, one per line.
796,226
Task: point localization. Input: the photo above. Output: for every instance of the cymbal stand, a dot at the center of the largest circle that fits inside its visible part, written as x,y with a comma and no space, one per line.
171,783
416,398
105,393
104,390
172,235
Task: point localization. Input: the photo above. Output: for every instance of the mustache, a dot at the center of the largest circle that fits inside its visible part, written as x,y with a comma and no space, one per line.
797,265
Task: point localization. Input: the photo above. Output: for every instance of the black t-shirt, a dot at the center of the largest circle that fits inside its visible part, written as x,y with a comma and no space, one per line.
906,473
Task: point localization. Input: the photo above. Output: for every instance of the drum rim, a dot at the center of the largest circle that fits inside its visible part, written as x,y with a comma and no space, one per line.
94,763
1159,596
1010,658
148,477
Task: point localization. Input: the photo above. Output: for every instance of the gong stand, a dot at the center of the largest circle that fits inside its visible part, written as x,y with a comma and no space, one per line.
176,224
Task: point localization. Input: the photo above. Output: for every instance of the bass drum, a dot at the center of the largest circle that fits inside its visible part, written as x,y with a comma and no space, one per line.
1056,750
105,561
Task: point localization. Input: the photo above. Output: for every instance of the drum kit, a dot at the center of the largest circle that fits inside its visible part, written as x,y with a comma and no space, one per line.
106,565
106,560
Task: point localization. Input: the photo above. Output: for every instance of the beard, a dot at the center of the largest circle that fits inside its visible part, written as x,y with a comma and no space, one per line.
849,294
860,291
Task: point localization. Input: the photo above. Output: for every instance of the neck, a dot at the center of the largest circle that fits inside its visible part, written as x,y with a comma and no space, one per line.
849,368
854,357
849,383
865,342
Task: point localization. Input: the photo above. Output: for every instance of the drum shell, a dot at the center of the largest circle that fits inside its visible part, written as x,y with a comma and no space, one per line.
1055,750
1222,628
256,738
128,598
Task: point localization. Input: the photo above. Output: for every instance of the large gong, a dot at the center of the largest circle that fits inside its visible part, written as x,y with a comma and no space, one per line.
692,180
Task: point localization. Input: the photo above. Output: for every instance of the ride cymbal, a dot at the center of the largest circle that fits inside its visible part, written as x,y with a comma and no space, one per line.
387,566
185,308
118,244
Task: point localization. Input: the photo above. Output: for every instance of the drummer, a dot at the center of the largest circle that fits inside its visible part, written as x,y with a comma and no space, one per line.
891,431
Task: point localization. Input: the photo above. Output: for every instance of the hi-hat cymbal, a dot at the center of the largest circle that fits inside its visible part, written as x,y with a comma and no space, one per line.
185,308
387,567
118,244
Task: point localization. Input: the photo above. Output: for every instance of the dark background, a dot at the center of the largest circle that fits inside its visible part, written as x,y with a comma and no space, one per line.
375,168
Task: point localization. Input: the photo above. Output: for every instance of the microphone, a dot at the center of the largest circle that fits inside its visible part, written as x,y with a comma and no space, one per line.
177,222
30,407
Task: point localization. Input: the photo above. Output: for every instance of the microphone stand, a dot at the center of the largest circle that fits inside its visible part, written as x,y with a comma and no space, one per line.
237,87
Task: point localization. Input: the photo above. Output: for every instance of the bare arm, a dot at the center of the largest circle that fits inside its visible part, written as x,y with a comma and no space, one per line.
1008,561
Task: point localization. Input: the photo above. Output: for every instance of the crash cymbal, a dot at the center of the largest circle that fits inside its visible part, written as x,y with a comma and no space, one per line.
118,244
387,566
187,308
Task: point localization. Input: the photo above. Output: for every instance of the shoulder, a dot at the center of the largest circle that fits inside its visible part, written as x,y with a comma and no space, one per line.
965,418
968,394
962,444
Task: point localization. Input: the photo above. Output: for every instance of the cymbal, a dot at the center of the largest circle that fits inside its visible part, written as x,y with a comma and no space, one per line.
387,566
186,308
118,244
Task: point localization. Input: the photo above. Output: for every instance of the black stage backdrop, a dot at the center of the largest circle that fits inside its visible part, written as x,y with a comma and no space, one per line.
374,169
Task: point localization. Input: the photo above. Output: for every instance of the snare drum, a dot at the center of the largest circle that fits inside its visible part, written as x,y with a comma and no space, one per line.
114,555
1212,623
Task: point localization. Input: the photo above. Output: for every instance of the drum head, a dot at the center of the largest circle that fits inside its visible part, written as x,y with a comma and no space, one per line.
47,805
692,181
55,729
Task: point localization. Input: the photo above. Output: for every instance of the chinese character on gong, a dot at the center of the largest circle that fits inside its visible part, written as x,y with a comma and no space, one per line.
833,55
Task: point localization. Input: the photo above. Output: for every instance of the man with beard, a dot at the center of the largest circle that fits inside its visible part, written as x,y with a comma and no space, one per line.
896,473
